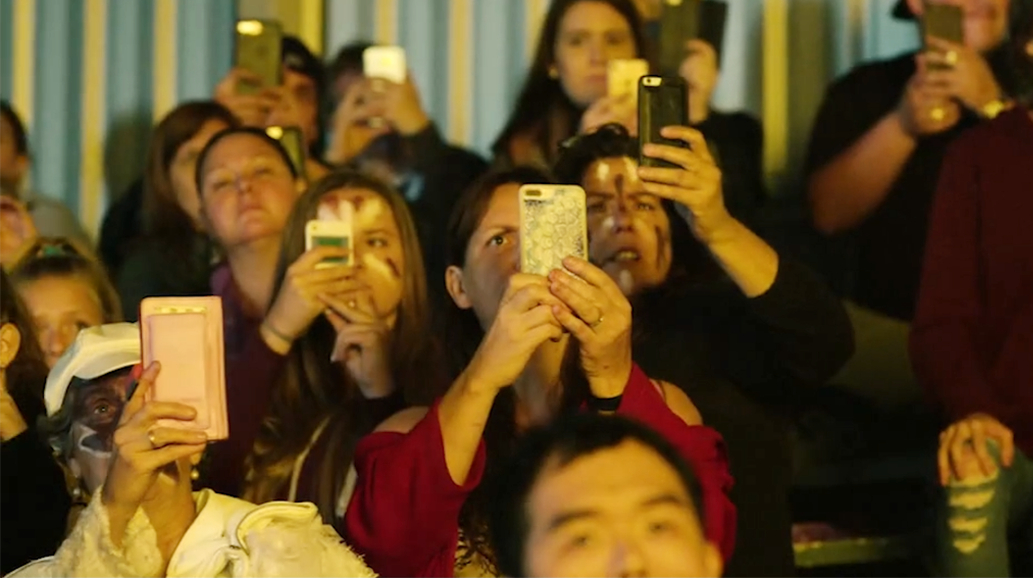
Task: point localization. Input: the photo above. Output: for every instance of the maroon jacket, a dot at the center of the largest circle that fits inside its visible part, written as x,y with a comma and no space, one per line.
972,337
251,371
403,516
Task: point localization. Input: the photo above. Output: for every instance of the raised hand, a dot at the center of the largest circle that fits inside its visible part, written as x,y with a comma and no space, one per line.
598,314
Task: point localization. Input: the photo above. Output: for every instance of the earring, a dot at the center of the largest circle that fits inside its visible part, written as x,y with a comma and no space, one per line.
553,73
194,474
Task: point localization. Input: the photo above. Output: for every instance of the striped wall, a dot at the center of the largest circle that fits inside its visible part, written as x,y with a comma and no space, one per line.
91,76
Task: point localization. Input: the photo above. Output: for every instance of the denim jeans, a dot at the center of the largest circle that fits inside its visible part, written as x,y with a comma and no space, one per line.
985,524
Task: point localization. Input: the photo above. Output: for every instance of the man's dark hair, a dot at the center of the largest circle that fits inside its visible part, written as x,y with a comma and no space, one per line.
21,140
562,442
347,61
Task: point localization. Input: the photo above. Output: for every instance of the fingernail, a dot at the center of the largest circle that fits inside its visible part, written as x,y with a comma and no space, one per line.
201,436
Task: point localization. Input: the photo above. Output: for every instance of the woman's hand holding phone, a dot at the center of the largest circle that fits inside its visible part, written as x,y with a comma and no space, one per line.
251,109
597,313
524,321
694,183
363,342
144,470
298,301
620,109
961,72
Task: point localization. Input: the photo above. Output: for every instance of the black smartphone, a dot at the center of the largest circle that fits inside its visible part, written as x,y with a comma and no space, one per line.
679,21
292,140
662,101
683,20
945,21
258,49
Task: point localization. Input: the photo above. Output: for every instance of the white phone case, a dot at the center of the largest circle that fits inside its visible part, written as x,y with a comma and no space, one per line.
386,62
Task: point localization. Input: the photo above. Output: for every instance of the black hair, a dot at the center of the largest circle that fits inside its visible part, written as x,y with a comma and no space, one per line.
21,140
579,152
202,158
561,443
347,61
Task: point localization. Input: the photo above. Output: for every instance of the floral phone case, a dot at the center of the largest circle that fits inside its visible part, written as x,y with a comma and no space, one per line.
553,226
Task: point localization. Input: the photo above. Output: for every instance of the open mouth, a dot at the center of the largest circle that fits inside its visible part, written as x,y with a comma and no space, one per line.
625,255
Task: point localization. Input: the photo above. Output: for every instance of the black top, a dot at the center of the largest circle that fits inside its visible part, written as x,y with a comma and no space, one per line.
736,140
735,358
890,242
444,172
122,227
34,500
153,268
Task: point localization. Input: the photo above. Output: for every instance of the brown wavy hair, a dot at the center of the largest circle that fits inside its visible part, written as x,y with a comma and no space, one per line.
311,389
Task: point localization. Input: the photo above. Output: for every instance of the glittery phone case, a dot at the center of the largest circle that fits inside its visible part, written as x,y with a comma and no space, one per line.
553,226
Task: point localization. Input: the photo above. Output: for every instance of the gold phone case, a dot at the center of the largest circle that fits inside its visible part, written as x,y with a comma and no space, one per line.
552,226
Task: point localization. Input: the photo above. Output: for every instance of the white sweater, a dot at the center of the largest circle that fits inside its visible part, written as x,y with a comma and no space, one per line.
229,537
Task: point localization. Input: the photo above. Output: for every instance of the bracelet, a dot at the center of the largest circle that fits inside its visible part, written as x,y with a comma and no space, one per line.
604,403
276,333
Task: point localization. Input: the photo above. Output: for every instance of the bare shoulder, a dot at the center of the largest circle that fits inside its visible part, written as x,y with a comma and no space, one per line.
403,421
680,404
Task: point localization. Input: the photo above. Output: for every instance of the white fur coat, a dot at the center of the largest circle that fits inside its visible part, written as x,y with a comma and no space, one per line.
229,537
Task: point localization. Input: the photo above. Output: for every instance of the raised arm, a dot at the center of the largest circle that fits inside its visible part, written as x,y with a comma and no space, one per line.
856,156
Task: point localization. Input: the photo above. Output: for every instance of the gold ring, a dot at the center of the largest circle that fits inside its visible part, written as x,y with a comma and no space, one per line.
938,113
596,324
150,438
951,58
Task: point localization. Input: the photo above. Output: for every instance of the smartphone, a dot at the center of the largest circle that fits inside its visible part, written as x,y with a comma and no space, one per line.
258,50
553,226
332,232
945,21
184,334
679,21
683,20
622,76
292,141
386,62
662,101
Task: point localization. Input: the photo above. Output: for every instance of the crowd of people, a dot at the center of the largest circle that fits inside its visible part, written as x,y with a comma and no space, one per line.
428,409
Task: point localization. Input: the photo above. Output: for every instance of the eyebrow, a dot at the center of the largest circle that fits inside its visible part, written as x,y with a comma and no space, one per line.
377,231
569,517
572,516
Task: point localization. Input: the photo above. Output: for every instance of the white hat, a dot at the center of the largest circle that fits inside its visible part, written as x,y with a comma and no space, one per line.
96,351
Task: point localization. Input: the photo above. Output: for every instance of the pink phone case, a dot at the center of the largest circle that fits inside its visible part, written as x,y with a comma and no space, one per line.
184,334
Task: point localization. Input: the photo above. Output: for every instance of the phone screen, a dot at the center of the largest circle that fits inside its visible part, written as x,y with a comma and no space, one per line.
327,241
